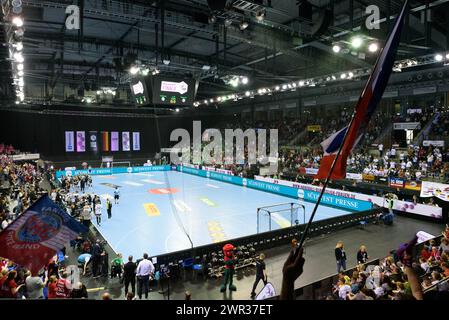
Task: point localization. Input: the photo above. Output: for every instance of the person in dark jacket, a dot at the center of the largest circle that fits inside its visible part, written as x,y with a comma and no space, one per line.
129,275
362,255
340,256
80,292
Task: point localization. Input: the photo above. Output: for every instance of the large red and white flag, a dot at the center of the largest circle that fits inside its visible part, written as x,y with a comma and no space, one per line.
366,105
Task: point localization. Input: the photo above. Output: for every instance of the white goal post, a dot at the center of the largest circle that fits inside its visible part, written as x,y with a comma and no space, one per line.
122,164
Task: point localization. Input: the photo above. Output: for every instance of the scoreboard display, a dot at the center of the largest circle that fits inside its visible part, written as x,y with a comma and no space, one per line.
173,91
140,92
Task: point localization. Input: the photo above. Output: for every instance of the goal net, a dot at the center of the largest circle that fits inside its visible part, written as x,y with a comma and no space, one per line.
281,215
120,164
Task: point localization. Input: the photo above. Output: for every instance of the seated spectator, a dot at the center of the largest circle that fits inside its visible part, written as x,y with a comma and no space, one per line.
79,292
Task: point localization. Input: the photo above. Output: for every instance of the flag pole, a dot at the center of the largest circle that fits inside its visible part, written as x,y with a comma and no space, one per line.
304,235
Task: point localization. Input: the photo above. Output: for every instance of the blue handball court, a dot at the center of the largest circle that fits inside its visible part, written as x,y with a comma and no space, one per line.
159,211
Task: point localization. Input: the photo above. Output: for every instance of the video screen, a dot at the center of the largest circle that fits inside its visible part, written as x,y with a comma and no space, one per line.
140,92
172,91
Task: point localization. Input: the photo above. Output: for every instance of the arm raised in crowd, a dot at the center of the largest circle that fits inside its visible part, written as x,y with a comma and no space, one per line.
293,268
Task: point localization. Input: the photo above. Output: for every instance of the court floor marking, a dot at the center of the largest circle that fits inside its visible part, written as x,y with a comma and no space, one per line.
181,206
216,231
212,186
132,183
151,209
145,174
152,181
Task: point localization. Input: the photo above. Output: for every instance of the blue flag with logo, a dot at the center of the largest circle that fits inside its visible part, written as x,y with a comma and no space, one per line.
37,234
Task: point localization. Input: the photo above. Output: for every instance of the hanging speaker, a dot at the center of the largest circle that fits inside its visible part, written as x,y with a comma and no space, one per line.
216,5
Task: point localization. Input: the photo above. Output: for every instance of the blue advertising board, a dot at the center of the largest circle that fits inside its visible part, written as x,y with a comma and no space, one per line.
108,171
306,195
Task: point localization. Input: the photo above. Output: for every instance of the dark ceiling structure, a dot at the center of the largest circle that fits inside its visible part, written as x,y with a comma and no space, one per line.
268,42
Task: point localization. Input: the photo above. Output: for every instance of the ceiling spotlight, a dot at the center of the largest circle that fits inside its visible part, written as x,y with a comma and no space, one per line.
134,70
19,46
438,57
211,100
336,48
17,21
334,77
356,42
20,73
350,74
260,15
245,80
206,102
234,82
20,66
177,109
284,86
243,25
98,92
343,76
166,62
447,56
373,47
218,99
212,19
18,57
277,88
227,22
247,93
88,100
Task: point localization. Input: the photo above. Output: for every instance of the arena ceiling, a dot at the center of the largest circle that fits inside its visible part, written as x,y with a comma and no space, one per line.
283,40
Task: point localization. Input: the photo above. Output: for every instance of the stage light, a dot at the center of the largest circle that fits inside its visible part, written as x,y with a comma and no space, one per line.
20,66
212,19
177,109
356,42
245,80
301,83
247,93
166,62
243,25
206,102
218,99
19,46
20,73
260,15
373,47
447,56
234,82
438,57
17,21
134,70
88,100
145,71
277,88
18,57
211,100
284,86
343,76
98,92
336,48
350,74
